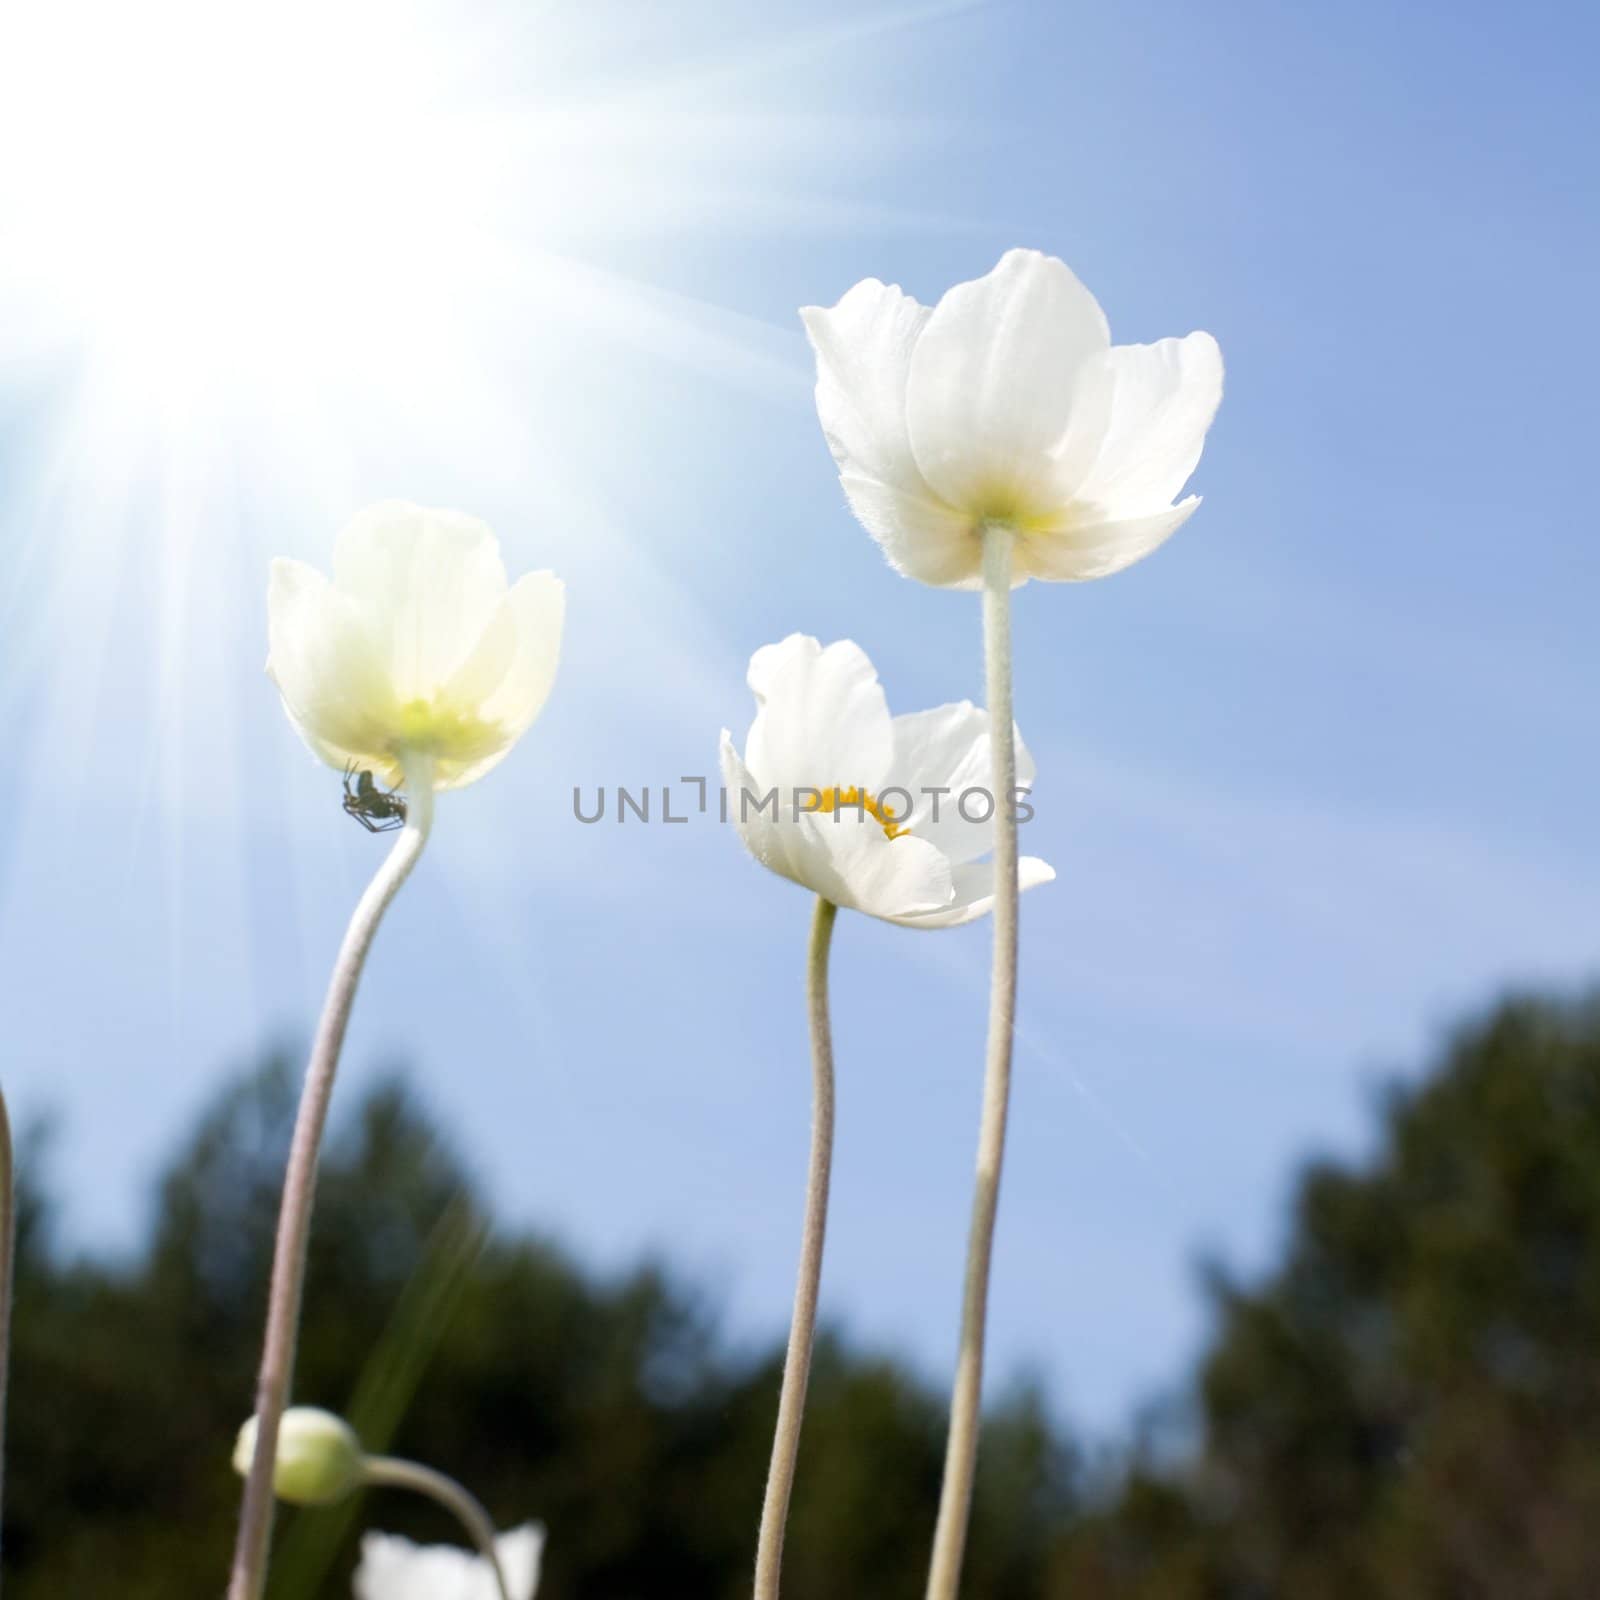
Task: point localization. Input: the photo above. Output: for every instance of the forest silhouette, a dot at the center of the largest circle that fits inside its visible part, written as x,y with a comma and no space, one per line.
1406,1407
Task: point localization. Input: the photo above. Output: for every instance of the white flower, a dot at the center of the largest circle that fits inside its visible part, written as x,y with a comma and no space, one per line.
418,647
1008,403
857,792
393,1568
320,1459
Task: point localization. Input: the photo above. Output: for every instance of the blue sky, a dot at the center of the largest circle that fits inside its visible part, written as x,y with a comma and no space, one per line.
1316,777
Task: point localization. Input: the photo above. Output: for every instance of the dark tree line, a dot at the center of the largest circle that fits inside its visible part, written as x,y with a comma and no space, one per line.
613,1410
1407,1408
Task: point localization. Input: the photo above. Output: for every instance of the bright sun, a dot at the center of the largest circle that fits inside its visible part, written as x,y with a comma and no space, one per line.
264,260
198,193
226,210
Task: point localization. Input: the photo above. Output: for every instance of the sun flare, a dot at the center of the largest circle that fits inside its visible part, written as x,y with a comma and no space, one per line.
234,197
262,264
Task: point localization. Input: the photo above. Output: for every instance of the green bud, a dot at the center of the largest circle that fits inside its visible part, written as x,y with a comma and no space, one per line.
320,1459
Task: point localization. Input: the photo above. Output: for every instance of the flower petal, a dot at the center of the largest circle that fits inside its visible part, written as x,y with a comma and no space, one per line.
332,677
922,538
521,1552
538,603
426,582
505,682
974,892
842,856
393,1568
822,719
1074,554
884,877
759,824
863,347
1162,400
947,749
990,390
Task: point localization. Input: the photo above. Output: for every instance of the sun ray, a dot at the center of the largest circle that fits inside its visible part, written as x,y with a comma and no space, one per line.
256,262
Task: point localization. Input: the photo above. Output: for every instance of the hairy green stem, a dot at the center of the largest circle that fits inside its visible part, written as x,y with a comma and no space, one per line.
388,1472
249,1575
966,1401
803,1326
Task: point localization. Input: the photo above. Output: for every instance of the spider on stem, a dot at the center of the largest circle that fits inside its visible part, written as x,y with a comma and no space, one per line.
377,810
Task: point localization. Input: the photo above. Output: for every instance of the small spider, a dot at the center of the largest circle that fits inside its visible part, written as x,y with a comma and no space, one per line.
377,810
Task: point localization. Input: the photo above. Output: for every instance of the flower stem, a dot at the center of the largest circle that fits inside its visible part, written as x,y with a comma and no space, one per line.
803,1327
961,1450
249,1575
8,1264
388,1472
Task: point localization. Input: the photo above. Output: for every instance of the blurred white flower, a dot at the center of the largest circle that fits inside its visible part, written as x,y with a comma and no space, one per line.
417,648
393,1568
841,797
320,1459
1007,403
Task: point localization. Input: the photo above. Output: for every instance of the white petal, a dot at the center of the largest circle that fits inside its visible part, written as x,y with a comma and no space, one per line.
1074,554
1162,400
393,1568
520,1552
332,677
974,892
427,583
991,385
884,877
842,856
948,748
863,347
538,604
483,670
507,679
791,853
822,721
922,538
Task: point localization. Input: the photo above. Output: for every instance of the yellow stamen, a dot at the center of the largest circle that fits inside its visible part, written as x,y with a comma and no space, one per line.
858,800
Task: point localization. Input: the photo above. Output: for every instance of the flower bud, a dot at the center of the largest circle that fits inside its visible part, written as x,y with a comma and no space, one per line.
320,1459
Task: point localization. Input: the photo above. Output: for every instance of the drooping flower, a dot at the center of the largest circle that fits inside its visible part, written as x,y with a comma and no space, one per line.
319,1459
886,815
393,1568
417,647
1007,403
